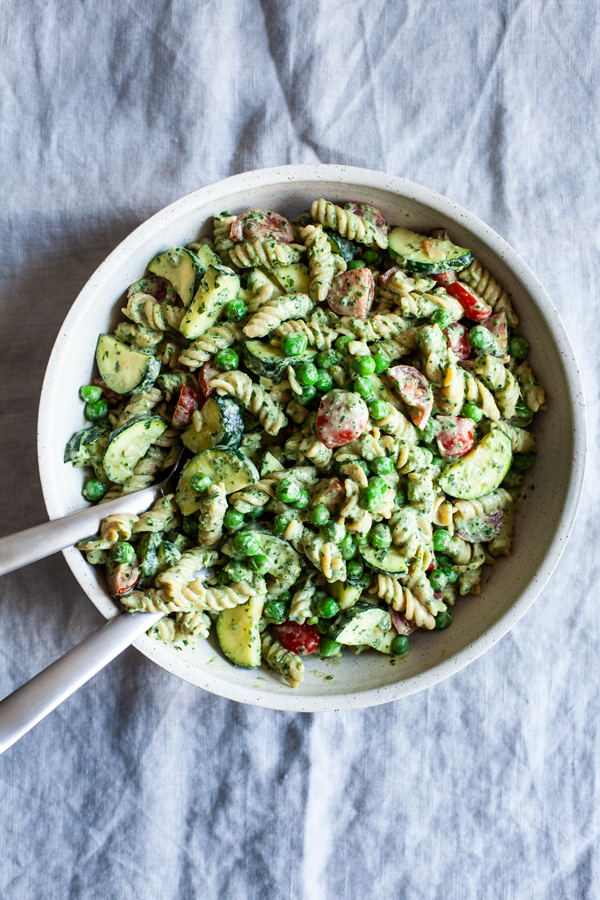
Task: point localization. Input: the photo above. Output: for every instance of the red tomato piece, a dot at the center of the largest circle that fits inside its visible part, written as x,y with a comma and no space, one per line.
331,494
456,437
458,340
444,278
370,214
499,328
416,392
342,417
208,371
189,400
121,578
303,639
351,293
109,396
475,308
256,225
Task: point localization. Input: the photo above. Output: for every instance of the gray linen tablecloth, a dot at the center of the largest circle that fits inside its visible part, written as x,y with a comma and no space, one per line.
141,786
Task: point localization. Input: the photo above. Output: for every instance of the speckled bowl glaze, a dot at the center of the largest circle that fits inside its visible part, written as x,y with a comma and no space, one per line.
541,529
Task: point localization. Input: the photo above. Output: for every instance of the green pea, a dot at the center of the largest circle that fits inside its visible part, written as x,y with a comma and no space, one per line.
441,317
443,620
354,569
366,580
363,365
327,609
190,525
233,518
378,409
400,645
302,501
281,522
512,480
382,465
319,515
227,360
442,560
364,387
307,373
483,340
438,580
373,257
518,346
285,597
324,381
370,497
361,540
347,547
200,482
442,540
293,344
355,264
260,564
523,461
380,537
94,490
381,363
522,411
275,611
97,410
323,626
327,358
342,342
235,310
255,513
247,543
379,483
90,393
306,396
334,532
287,491
236,570
472,411
329,647
123,552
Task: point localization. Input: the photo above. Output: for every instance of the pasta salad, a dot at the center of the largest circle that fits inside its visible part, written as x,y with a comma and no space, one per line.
353,401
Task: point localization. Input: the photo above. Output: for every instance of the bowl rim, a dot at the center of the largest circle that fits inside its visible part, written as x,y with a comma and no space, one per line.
316,172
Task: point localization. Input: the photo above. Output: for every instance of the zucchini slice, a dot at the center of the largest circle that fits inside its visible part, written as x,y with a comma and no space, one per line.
124,369
219,285
238,634
345,594
294,279
126,446
406,247
258,278
385,562
147,553
232,468
264,359
77,449
363,624
481,470
222,426
181,268
344,247
207,257
269,464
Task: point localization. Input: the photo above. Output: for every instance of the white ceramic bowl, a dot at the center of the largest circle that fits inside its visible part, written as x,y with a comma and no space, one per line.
541,530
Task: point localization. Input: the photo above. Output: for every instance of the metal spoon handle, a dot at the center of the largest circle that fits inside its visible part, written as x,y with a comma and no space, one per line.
30,703
35,543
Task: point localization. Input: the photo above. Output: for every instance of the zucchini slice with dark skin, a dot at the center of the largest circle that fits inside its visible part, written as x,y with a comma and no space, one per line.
426,255
124,369
218,286
238,634
126,446
264,359
182,268
362,624
222,426
386,562
230,467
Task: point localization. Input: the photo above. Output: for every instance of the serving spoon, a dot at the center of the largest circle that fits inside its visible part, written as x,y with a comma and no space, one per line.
35,699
